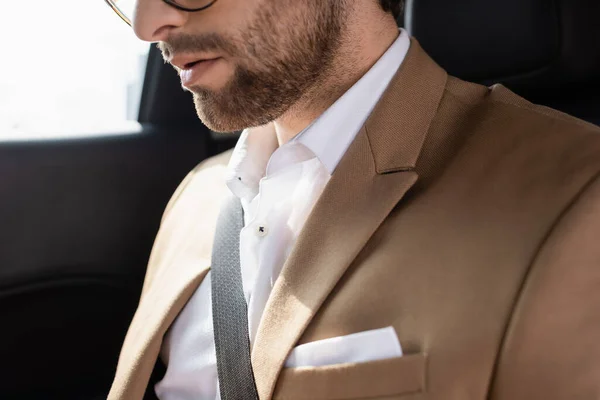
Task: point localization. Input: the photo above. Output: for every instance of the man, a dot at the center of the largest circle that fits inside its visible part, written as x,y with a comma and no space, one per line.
405,235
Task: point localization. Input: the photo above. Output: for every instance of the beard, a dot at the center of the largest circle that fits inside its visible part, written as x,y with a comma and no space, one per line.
287,49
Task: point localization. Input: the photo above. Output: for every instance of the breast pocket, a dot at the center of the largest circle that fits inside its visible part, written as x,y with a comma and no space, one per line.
368,380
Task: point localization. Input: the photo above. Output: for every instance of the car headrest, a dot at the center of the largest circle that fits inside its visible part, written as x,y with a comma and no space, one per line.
531,46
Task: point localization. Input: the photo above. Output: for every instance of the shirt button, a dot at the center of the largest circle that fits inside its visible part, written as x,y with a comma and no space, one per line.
261,230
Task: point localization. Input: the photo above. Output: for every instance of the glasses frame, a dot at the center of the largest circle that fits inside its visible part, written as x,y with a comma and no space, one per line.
172,3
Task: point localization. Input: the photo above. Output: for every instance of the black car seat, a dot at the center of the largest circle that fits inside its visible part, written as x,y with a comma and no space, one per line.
547,51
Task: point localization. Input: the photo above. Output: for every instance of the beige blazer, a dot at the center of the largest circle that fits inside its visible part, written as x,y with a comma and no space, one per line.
463,216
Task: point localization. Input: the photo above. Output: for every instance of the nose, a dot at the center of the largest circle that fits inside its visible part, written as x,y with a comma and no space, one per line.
153,20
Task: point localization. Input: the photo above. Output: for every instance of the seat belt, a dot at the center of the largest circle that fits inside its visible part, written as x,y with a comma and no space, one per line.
230,311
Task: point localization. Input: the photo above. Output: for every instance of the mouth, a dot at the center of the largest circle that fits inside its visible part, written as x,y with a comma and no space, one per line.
186,61
190,65
198,72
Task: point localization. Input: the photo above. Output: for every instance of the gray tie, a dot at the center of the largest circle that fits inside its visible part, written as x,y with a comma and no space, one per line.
230,312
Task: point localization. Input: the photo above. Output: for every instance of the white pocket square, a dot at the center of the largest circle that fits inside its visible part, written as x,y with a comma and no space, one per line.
373,345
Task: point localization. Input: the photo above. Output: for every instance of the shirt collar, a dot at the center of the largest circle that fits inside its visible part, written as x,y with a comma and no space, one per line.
328,137
249,160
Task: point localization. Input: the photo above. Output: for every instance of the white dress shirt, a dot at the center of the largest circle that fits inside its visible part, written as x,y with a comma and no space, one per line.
278,187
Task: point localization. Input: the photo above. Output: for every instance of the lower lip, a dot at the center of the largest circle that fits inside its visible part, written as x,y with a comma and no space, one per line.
200,71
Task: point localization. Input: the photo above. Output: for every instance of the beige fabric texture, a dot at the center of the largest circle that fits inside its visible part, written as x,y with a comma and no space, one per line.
463,216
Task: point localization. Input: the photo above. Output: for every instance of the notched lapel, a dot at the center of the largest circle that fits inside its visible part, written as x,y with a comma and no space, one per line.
374,175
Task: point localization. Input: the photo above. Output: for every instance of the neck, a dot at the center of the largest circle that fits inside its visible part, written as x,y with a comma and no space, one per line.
367,36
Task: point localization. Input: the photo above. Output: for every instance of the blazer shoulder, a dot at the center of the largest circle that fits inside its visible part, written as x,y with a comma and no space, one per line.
503,95
499,96
494,129
496,114
490,141
194,204
574,142
207,167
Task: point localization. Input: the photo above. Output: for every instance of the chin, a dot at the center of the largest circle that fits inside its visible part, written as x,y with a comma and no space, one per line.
213,117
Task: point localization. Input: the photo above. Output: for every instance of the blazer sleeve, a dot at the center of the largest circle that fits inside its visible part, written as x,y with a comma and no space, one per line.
551,349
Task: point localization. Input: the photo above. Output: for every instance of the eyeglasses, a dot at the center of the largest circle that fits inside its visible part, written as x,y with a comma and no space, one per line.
125,8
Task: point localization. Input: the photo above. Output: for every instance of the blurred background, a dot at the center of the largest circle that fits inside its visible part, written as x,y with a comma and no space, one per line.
69,68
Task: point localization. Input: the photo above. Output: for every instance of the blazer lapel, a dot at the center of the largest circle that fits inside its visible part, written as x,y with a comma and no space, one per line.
373,176
181,259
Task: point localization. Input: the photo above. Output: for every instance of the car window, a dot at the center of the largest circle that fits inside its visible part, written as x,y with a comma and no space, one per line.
68,68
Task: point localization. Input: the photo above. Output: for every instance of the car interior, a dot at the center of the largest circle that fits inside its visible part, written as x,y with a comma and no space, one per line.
79,216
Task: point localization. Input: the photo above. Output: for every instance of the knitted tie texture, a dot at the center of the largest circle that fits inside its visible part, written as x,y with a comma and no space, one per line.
230,312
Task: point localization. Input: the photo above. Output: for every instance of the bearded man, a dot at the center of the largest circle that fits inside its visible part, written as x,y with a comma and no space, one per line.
381,229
